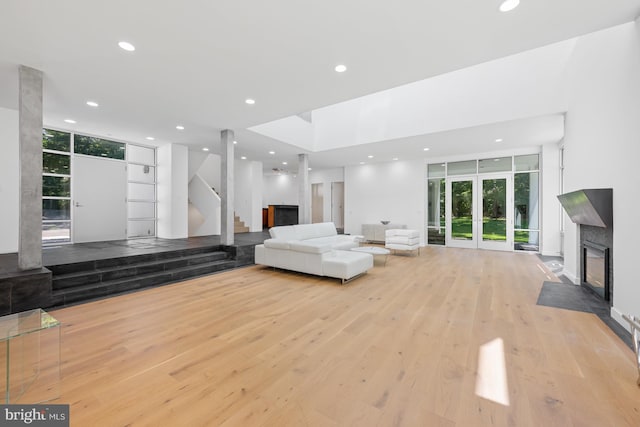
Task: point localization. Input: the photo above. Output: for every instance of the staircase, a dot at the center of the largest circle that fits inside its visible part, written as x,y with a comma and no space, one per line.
239,226
83,281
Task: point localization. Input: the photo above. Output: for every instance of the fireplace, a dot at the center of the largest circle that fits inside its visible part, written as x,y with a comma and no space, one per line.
595,269
592,210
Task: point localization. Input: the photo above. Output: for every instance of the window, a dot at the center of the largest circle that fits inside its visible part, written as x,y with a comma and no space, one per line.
462,168
56,186
499,164
526,194
92,146
436,193
141,192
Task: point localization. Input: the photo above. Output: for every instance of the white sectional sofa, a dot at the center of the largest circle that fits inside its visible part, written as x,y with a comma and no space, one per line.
314,249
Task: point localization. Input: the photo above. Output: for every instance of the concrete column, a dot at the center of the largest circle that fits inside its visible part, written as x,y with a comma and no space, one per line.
30,129
226,187
304,190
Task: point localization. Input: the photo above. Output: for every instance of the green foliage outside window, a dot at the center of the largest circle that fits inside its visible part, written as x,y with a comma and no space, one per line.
56,140
98,147
56,163
56,186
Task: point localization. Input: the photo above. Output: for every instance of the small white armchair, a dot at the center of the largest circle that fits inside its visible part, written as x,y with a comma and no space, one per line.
402,240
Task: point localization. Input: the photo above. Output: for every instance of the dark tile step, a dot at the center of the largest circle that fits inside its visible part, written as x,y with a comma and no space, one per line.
128,260
86,277
96,290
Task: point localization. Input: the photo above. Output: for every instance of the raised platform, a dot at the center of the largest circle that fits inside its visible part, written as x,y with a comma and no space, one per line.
81,272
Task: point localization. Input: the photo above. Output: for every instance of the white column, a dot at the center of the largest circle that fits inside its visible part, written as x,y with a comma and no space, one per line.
30,129
304,190
226,190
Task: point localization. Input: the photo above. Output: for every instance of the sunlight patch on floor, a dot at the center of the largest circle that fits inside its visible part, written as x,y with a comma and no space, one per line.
491,382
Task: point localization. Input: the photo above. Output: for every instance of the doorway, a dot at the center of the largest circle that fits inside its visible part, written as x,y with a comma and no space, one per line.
479,212
317,203
99,199
337,204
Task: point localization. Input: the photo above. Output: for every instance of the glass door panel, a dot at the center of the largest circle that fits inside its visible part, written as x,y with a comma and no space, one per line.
461,222
496,225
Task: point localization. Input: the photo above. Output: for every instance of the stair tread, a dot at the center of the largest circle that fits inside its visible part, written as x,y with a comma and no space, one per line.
140,277
135,265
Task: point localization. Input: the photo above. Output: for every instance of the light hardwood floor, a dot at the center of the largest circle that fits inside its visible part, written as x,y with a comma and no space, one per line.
399,346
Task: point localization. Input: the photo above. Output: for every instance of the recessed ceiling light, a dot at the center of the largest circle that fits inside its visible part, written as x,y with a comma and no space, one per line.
243,158
180,127
496,160
370,156
362,163
205,149
127,46
250,101
508,5
425,149
92,103
499,140
272,152
309,169
340,68
70,121
284,163
150,138
395,158
235,142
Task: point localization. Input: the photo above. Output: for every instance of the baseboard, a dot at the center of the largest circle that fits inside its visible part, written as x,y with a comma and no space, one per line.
570,276
556,254
617,316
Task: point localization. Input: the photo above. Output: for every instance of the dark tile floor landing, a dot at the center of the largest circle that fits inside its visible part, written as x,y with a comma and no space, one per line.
577,298
79,252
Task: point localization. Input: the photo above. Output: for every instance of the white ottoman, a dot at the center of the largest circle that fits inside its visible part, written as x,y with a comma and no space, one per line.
402,240
346,265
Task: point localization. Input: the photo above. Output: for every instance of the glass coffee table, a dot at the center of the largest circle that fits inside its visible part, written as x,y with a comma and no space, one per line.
375,251
30,346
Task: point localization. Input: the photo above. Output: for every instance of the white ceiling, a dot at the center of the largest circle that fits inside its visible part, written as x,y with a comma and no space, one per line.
198,60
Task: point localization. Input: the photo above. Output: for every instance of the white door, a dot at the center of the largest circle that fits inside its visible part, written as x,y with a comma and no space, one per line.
337,204
99,199
495,212
317,203
461,217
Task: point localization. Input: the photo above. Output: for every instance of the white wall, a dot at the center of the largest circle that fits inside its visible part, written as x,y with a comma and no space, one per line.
551,209
280,190
248,193
9,181
602,147
393,191
210,171
172,190
326,177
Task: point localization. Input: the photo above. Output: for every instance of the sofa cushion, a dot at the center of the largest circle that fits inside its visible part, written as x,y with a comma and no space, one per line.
402,232
277,244
346,264
314,231
285,232
403,240
309,247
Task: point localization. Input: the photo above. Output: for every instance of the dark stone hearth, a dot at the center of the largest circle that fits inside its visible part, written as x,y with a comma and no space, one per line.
578,298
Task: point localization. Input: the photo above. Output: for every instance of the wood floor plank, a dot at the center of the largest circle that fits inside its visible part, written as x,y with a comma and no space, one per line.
400,346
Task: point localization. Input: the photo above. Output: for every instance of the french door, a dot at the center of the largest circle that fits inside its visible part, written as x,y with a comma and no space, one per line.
480,212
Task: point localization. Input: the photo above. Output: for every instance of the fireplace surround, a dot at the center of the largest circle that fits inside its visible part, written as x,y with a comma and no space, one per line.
592,210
